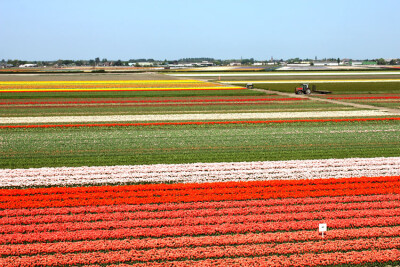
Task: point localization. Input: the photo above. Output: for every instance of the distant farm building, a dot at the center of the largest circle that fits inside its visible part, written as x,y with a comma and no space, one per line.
28,65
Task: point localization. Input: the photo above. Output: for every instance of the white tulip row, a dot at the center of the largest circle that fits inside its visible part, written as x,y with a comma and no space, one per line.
195,117
202,172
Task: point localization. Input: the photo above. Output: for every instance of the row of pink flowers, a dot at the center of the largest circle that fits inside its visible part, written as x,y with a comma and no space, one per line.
236,226
185,253
195,241
246,208
234,217
307,259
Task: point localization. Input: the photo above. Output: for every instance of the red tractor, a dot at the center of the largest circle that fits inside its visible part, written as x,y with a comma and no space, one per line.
304,89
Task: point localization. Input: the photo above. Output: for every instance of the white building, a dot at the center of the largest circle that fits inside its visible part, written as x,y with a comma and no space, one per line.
28,65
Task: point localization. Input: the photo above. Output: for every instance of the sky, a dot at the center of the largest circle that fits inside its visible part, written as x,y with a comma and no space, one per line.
221,29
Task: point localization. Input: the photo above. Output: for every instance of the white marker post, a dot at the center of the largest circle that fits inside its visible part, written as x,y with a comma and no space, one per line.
322,228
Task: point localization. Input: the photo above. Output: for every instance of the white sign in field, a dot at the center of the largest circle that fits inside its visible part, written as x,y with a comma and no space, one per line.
322,228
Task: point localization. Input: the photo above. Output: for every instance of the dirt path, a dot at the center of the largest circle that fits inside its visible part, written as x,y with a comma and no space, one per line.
313,98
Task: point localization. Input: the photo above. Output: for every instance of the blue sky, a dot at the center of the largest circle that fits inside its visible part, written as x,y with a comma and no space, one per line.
173,29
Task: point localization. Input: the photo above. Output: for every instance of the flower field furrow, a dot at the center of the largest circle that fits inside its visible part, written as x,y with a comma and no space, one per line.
203,172
306,259
203,252
213,229
300,203
142,193
195,241
190,221
97,200
246,209
156,196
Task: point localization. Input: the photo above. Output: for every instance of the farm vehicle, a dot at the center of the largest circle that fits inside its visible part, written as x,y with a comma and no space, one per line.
306,90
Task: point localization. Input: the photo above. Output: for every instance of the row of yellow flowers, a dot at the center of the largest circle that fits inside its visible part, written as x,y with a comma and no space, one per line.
124,85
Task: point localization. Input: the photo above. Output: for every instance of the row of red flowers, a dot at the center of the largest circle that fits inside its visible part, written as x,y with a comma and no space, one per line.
195,230
247,208
141,188
248,250
194,241
14,216
163,193
194,123
364,97
192,221
307,259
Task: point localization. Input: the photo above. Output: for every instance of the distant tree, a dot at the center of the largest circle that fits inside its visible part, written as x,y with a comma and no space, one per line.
118,63
338,61
97,61
91,62
104,60
79,63
393,62
381,61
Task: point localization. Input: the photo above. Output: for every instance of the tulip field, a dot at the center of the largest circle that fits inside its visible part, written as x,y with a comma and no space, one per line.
192,173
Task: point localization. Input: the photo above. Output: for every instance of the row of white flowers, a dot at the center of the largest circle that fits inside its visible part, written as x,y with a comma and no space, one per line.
202,172
196,117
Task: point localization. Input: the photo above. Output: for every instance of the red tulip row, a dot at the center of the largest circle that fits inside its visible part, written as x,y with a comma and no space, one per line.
199,192
14,216
365,97
195,241
146,189
185,253
142,194
307,259
234,227
191,123
246,208
192,221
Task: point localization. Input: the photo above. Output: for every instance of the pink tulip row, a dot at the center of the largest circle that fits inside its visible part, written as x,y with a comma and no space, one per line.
307,259
195,241
204,229
189,253
186,214
8,213
192,221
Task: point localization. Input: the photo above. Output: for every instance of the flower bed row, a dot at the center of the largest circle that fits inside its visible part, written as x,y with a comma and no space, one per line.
195,241
162,193
197,230
247,208
204,252
12,216
194,123
215,100
234,218
202,172
307,259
